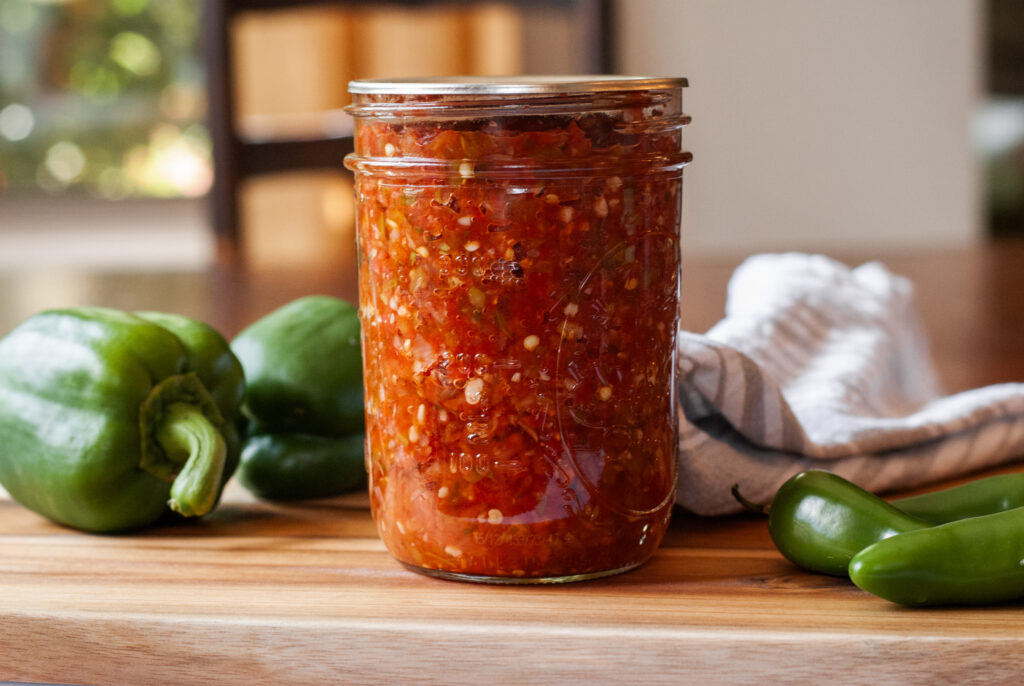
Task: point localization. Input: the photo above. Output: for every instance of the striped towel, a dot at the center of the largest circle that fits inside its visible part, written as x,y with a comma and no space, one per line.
816,365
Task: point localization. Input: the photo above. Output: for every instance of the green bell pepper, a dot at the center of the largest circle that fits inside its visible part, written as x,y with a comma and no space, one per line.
304,401
294,466
303,369
108,419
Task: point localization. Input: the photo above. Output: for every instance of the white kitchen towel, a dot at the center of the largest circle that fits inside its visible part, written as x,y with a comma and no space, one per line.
817,365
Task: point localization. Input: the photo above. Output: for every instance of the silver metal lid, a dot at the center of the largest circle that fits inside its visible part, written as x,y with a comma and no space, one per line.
512,85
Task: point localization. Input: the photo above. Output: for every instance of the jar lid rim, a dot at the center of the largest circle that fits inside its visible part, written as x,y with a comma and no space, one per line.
488,85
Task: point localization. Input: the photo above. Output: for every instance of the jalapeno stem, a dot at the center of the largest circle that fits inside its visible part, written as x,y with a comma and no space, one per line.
759,508
188,437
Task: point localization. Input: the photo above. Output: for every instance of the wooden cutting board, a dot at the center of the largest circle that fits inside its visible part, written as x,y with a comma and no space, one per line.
306,593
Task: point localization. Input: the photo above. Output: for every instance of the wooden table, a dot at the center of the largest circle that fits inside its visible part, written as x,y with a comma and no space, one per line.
306,593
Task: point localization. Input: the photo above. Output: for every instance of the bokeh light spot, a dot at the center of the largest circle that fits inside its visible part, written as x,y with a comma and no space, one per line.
18,17
65,162
16,122
129,8
135,52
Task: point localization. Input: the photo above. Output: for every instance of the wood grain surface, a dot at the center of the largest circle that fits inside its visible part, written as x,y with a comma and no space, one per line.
305,592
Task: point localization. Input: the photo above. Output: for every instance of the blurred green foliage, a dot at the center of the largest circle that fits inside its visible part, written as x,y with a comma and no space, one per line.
103,97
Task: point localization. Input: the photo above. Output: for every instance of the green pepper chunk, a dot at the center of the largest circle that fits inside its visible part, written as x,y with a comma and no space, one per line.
297,466
819,521
108,419
304,400
303,368
971,561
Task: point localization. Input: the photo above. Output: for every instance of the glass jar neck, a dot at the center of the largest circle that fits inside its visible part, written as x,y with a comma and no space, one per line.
502,135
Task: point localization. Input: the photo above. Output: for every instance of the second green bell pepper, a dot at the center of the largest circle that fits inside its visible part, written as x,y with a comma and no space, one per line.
303,405
298,466
303,369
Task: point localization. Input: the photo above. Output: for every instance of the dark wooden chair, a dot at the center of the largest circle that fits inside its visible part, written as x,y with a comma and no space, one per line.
236,158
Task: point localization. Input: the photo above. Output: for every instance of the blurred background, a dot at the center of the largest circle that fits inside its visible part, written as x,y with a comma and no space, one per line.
168,134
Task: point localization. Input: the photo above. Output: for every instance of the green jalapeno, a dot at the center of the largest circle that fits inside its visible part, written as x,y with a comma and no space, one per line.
967,562
972,499
819,521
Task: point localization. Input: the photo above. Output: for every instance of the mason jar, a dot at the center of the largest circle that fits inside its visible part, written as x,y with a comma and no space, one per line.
518,256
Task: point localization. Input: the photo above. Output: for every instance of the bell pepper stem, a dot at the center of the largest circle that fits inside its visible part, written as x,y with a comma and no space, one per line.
187,436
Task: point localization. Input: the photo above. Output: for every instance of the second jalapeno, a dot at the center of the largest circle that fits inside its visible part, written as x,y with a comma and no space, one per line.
972,561
971,499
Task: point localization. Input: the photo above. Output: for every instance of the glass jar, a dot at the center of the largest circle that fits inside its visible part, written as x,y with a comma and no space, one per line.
518,250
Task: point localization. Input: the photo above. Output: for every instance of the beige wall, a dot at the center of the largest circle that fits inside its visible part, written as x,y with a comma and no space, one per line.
820,124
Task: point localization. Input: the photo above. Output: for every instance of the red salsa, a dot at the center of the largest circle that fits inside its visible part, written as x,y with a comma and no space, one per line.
518,278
